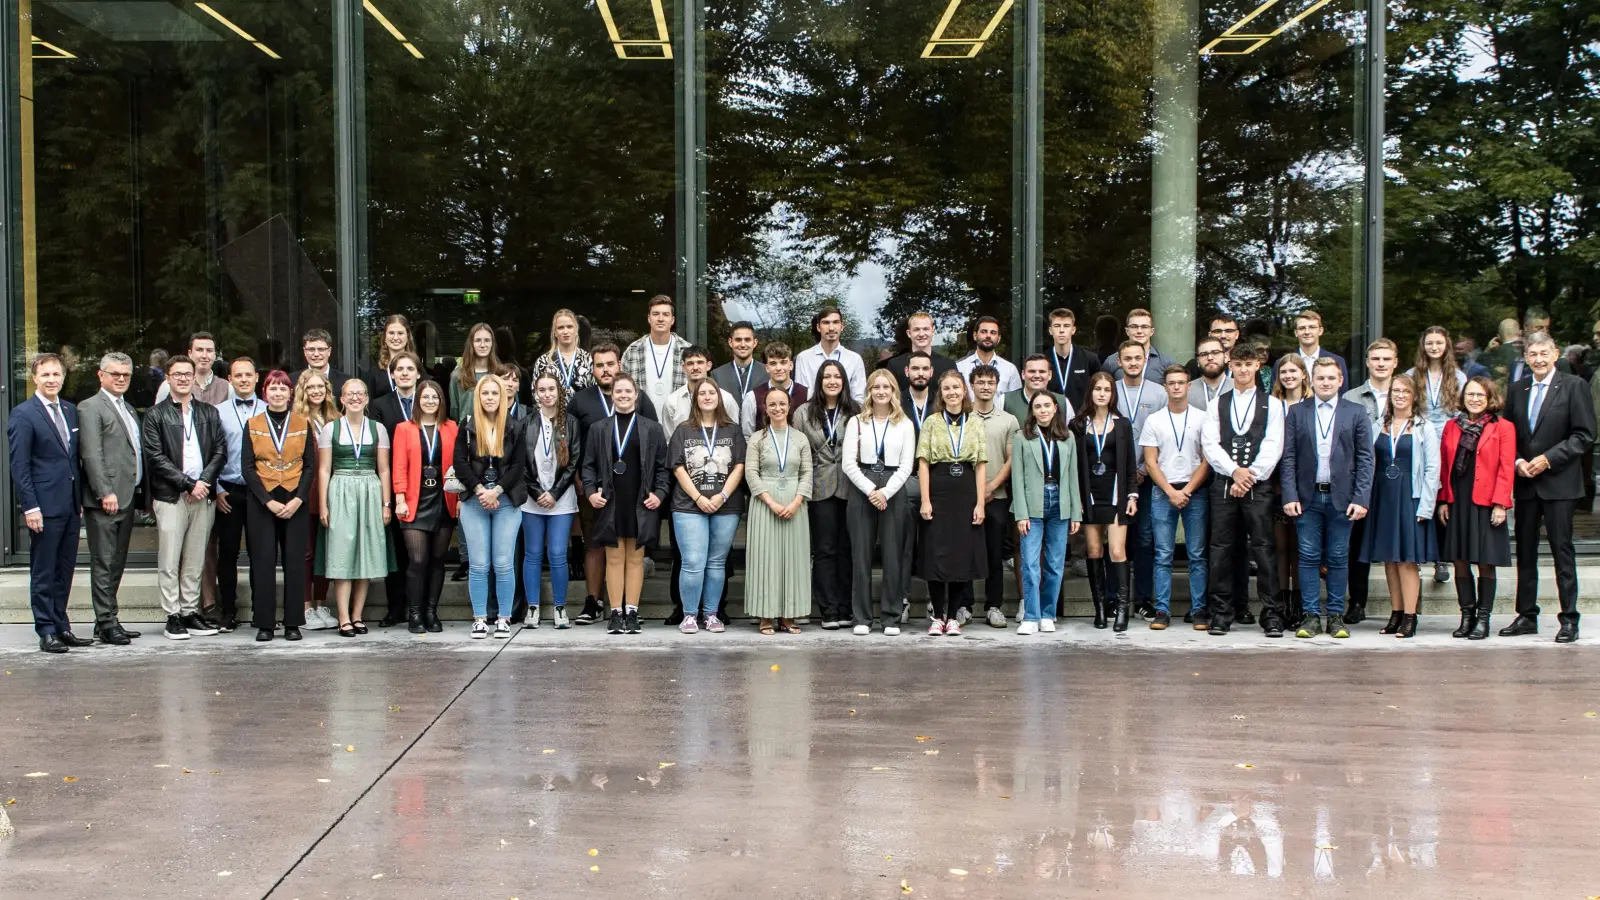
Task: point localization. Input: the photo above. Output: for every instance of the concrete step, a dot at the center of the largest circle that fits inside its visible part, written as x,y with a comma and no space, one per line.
140,598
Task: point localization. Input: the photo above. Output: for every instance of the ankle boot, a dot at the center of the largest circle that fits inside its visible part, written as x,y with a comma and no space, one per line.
1394,622
1097,590
1293,612
1480,628
430,617
414,623
1467,598
1119,577
1408,626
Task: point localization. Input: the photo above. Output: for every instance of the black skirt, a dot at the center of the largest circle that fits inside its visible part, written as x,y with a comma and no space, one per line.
1468,535
1105,514
949,547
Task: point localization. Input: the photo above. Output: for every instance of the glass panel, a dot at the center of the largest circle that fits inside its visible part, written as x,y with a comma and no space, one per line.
861,156
176,175
520,159
1203,157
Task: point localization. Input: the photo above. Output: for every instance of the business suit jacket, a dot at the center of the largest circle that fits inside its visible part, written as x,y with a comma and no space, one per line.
45,472
106,449
1349,465
1564,434
388,412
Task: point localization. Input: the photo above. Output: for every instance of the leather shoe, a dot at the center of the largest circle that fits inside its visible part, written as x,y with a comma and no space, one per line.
1568,633
291,633
128,631
1521,625
113,635
72,640
50,643
263,634
1355,613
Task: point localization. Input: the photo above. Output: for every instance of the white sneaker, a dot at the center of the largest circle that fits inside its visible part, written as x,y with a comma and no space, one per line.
860,630
532,621
996,618
480,630
831,625
1047,625
803,620
329,620
561,618
963,616
936,626
891,630
1028,627
689,625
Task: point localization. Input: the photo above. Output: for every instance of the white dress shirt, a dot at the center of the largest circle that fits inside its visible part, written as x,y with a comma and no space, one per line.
1010,378
1244,415
678,406
235,422
860,452
809,360
1324,415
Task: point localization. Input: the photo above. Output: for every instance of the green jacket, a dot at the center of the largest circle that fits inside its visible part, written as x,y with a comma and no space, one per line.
1027,479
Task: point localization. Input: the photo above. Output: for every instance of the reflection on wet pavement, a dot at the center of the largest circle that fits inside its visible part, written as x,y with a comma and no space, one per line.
822,772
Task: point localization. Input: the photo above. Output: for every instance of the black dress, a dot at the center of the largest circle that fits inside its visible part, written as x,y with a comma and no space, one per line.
1468,535
628,487
1105,490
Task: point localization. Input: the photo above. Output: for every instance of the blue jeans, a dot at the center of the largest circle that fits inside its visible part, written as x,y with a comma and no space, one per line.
492,540
1164,521
545,536
1142,545
1044,546
1324,540
704,542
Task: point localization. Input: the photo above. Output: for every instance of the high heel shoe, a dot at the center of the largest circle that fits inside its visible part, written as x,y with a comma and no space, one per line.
1408,626
1394,623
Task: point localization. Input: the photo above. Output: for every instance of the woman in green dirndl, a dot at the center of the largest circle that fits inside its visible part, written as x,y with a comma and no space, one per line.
353,459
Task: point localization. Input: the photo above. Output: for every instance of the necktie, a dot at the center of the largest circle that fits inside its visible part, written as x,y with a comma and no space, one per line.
1533,408
405,404
60,422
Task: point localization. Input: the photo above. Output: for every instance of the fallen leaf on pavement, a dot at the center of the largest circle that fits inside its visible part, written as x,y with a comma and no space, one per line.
549,750
594,851
930,753
36,775
958,872
904,887
349,748
665,765
1243,766
223,874
924,737
324,781
70,779
594,868
599,781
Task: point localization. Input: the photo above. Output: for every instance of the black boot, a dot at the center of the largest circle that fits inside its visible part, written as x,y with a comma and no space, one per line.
1480,628
414,622
1119,577
430,617
1294,611
1394,622
1467,599
1408,626
1097,577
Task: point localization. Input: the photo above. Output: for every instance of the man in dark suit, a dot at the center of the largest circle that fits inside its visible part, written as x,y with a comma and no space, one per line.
920,331
389,410
113,467
1554,418
43,437
317,348
1327,488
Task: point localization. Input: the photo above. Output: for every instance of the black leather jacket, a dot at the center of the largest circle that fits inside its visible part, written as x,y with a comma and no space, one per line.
162,435
511,467
565,475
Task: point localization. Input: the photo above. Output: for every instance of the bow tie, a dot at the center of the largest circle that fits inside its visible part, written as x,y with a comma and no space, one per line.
244,402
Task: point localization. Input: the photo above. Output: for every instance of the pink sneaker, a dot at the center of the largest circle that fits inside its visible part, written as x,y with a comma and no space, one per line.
936,626
689,626
952,627
713,624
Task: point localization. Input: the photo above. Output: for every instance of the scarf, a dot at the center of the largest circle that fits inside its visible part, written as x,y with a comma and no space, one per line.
1468,448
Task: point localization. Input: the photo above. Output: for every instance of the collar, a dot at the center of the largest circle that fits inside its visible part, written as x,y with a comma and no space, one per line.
1327,404
1245,395
1070,348
56,401
1548,379
1315,352
402,396
113,397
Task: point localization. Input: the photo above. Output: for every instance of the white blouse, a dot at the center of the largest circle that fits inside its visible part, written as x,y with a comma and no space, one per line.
860,451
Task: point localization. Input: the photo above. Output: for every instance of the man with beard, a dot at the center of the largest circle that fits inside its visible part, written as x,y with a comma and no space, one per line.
1211,361
592,406
828,327
743,373
986,337
916,401
1137,398
919,328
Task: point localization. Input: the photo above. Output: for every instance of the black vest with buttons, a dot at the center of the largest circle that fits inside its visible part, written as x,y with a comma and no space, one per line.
1254,435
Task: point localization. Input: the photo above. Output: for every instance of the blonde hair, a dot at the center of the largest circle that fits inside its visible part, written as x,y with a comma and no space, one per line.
321,415
877,375
491,433
556,318
1292,359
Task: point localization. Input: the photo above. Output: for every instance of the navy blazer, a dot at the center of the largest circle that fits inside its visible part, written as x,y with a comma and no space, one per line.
1350,463
45,473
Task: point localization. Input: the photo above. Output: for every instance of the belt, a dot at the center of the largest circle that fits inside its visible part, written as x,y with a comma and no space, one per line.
1324,487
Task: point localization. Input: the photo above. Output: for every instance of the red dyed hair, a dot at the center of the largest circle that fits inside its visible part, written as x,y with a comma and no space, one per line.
277,376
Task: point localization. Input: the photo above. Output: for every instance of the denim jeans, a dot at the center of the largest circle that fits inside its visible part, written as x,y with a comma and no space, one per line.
1142,544
1044,546
545,536
492,539
704,541
1324,540
1164,520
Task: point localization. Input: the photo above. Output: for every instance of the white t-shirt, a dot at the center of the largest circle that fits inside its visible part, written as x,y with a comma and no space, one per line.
1176,437
192,464
543,448
658,372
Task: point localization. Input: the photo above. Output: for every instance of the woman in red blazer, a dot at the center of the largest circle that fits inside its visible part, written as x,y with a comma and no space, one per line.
1478,455
427,512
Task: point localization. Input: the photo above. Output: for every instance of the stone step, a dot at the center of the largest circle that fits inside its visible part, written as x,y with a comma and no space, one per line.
140,598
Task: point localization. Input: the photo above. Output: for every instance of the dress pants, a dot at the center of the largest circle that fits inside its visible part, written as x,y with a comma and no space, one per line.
52,555
1142,547
1360,572
997,525
276,542
869,527
228,528
830,558
912,494
394,583
1237,521
1557,518
108,534
183,529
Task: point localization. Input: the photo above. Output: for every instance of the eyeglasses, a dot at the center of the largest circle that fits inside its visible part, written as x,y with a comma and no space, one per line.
180,376
1211,353
1141,328
118,374
1231,329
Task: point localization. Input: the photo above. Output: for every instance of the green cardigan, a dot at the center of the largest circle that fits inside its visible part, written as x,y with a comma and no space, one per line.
1027,479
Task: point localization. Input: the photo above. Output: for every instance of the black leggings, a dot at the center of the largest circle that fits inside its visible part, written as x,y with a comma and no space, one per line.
945,595
425,563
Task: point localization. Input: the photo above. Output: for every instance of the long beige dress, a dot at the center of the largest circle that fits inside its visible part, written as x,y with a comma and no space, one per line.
777,581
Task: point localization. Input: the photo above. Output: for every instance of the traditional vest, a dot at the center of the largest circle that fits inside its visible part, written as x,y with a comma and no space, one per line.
279,469
1242,448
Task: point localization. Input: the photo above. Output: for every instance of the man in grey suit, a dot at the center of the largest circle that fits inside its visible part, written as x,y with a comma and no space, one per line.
113,467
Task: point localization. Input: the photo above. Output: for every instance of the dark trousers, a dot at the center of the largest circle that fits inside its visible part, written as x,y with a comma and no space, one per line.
394,583
228,527
1142,547
1360,572
1242,520
830,558
868,527
108,535
1557,518
946,595
997,525
52,555
276,542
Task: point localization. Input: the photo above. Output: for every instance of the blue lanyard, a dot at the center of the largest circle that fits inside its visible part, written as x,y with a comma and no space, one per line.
1122,388
566,371
547,435
1061,376
1392,439
956,438
830,422
659,363
879,442
711,440
744,380
427,442
1048,448
783,455
1322,433
1178,434
1100,436
622,439
921,414
605,407
1435,390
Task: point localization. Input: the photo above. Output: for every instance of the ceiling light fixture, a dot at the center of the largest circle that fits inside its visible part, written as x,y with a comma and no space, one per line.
662,45
971,44
206,8
57,52
1243,43
389,27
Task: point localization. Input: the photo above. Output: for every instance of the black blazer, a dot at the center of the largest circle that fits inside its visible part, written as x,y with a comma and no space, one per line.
44,471
599,452
1565,433
1120,448
378,385
387,411
511,466
565,475
163,448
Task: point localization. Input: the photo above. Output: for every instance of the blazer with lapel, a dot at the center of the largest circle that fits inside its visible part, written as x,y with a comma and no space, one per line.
45,472
389,413
1349,465
109,464
1027,479
1564,434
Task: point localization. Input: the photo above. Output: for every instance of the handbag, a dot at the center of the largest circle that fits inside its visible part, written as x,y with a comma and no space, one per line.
452,484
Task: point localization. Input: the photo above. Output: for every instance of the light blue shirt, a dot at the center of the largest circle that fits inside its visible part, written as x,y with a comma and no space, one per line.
235,419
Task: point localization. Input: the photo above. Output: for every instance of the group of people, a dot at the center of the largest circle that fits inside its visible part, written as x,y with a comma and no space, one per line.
932,468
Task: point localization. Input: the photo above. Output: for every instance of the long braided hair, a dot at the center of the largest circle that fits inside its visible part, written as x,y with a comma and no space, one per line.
560,423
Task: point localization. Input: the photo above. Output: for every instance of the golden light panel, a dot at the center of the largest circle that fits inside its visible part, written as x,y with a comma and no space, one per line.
662,44
55,52
389,27
962,47
1241,43
228,23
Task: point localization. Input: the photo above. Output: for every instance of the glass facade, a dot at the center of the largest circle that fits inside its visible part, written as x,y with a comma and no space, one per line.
258,168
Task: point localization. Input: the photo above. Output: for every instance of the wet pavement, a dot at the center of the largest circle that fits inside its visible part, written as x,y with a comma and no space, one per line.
573,765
